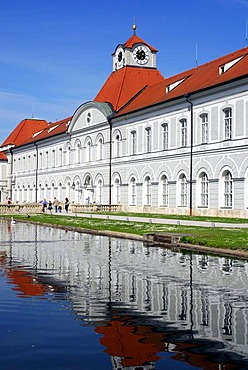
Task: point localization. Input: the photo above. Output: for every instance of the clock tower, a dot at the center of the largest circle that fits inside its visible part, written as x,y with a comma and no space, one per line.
134,53
134,68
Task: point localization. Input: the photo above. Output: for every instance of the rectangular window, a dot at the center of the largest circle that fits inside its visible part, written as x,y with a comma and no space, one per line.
165,136
228,123
183,132
148,139
134,142
204,128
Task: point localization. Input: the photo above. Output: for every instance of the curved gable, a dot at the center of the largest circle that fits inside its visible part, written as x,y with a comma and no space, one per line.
89,114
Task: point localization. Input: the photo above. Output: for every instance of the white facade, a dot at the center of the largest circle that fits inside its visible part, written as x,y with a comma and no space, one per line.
185,155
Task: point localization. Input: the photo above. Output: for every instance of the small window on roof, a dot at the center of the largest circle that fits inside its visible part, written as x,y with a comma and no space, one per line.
173,85
224,67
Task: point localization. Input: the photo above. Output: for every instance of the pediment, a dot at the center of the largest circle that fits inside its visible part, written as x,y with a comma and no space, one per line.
90,114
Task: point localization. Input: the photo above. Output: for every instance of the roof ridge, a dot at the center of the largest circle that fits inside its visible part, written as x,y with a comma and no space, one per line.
132,98
19,129
121,86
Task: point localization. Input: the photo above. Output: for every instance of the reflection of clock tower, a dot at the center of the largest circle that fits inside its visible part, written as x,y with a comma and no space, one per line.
134,53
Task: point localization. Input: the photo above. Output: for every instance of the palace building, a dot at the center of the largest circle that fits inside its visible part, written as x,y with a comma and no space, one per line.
176,145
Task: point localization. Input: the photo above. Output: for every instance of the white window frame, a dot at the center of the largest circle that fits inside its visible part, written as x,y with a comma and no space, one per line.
78,152
164,186
227,123
147,191
117,193
204,189
183,127
117,142
183,188
100,148
148,139
133,191
88,150
133,142
165,135
228,189
204,128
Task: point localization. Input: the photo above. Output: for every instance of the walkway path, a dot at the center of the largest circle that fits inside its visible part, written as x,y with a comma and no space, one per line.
167,221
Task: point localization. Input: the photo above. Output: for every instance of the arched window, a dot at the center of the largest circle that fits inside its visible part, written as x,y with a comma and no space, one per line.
228,123
116,191
147,191
117,145
99,191
68,155
88,150
78,152
60,194
164,191
100,148
204,189
183,190
133,192
228,188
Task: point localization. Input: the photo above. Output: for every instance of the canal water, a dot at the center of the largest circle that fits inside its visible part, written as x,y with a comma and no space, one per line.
78,301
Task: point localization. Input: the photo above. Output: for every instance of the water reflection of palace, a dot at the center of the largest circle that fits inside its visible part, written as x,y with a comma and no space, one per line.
142,300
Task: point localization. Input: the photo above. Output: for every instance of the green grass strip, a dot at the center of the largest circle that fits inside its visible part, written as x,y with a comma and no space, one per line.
234,239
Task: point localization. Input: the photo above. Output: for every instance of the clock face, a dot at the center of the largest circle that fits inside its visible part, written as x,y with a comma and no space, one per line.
120,57
141,55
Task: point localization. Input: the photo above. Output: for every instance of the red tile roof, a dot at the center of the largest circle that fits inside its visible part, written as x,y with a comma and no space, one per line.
51,129
124,84
24,131
136,40
199,78
133,88
3,156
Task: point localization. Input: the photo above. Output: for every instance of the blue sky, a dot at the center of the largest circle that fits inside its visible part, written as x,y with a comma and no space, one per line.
55,55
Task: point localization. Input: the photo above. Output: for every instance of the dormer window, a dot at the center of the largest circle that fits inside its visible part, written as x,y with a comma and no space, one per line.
173,85
224,67
221,70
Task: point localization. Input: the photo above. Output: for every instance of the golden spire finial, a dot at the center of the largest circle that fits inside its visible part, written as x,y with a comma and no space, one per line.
134,27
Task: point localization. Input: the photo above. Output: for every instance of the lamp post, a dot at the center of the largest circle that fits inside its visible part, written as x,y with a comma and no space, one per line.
191,155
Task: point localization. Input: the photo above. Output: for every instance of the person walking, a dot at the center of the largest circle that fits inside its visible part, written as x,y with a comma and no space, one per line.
50,206
67,204
9,202
55,204
44,205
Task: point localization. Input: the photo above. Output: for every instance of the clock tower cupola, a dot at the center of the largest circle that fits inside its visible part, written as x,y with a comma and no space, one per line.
134,53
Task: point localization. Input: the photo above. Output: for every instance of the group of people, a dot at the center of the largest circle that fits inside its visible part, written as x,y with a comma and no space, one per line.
55,204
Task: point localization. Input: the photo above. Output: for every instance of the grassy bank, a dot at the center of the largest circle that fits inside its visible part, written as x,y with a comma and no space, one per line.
234,239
